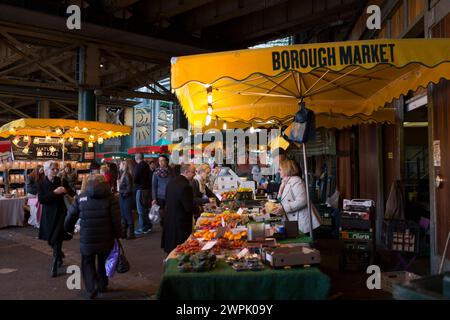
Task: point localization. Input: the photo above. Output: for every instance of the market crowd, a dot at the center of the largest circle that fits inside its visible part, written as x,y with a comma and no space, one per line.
114,203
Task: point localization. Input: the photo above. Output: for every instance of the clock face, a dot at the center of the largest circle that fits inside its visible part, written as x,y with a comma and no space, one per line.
142,124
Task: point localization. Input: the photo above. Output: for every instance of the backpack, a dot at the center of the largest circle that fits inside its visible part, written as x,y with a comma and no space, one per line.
304,125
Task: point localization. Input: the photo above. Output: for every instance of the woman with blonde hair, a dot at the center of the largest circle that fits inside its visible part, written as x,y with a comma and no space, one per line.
202,193
292,197
126,198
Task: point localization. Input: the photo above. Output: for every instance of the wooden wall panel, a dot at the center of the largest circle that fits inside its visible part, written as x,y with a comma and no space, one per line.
441,132
390,158
415,9
344,179
368,162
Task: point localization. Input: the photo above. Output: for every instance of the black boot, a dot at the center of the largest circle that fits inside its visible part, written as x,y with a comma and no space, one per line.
54,270
130,234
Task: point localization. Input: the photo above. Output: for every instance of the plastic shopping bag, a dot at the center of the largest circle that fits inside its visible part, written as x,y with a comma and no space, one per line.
111,261
154,215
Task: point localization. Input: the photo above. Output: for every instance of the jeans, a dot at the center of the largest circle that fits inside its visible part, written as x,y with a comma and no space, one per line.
142,207
125,210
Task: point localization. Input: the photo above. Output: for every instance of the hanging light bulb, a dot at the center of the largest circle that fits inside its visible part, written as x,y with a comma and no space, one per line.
209,95
36,140
76,128
85,129
90,144
80,143
100,140
224,125
109,133
16,141
91,137
210,110
208,120
252,129
26,138
47,138
61,141
58,131
25,150
70,139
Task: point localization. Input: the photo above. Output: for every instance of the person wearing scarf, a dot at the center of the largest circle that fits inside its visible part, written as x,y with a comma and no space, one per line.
160,180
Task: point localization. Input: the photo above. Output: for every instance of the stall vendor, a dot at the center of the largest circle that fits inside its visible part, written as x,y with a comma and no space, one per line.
292,197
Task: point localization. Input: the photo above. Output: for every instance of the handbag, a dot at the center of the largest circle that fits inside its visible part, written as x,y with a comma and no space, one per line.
154,214
111,261
122,262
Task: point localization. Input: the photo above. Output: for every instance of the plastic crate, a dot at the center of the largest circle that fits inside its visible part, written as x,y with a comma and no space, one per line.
400,236
389,279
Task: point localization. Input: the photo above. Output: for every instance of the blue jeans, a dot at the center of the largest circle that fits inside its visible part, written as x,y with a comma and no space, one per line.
125,210
142,208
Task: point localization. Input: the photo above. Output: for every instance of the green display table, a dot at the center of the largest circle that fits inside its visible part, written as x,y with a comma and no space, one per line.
224,283
300,239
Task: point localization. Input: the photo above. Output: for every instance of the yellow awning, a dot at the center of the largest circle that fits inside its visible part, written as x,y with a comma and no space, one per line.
63,128
347,78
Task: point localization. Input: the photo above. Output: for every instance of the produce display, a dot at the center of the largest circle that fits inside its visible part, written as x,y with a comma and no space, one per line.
247,262
271,206
225,244
228,230
228,195
189,246
201,261
208,215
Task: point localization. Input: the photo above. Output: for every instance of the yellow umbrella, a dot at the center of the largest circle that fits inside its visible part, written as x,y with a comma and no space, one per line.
64,129
348,78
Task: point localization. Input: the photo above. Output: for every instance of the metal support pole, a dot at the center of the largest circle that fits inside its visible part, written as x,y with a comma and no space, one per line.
305,169
63,147
444,254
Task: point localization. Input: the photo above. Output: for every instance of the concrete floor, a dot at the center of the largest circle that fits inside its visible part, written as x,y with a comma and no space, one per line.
25,269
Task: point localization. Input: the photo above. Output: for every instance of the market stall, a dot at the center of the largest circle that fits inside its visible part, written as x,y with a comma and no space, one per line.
243,253
12,211
350,80
224,283
34,141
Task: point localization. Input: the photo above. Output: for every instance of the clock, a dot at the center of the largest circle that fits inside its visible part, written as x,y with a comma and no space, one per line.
142,126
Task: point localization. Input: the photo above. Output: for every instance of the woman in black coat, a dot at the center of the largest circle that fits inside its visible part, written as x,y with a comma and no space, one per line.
179,209
99,214
51,192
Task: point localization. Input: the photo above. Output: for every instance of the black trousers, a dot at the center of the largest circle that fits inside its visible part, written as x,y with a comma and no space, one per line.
94,276
57,249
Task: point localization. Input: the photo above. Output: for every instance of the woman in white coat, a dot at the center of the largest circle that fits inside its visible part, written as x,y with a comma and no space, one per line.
292,197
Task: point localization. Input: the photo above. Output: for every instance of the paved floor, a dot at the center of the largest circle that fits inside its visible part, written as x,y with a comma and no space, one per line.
25,269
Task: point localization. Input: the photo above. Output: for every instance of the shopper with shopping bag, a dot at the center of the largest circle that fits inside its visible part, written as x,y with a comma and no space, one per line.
99,213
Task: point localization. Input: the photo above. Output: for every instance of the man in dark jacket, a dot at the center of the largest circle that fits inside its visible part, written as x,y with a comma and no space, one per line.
98,210
179,209
141,179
